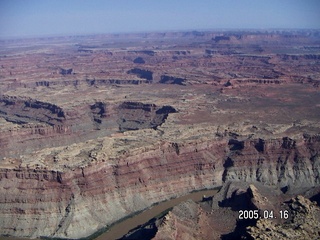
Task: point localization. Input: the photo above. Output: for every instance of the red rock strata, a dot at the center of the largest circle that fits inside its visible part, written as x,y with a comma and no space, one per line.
94,128
102,193
281,162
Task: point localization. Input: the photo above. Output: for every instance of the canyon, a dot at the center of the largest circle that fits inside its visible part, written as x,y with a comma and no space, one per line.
96,128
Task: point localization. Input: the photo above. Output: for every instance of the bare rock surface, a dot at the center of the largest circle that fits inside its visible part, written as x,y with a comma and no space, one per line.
95,128
190,220
304,223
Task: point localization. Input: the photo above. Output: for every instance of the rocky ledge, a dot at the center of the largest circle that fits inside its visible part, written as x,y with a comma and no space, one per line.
51,191
225,216
91,133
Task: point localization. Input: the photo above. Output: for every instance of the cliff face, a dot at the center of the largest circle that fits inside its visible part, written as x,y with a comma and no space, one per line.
135,115
103,126
284,162
77,201
33,122
187,221
20,110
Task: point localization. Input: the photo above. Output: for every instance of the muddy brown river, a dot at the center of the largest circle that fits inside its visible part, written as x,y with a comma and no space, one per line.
123,227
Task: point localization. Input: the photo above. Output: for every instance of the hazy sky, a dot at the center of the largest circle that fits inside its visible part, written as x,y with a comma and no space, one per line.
43,17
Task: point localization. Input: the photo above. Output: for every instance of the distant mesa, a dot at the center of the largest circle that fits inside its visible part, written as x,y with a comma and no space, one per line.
140,121
24,110
193,34
85,50
99,111
139,60
182,52
141,73
137,115
221,38
172,80
65,71
198,34
147,52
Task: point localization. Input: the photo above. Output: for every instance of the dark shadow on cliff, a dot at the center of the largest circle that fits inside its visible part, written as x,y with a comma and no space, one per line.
235,145
316,198
146,231
240,231
227,164
237,201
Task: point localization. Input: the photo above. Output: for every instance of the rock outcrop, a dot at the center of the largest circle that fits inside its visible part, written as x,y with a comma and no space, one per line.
145,74
65,71
303,224
184,222
135,119
21,110
278,217
284,162
65,197
172,80
135,115
108,172
139,60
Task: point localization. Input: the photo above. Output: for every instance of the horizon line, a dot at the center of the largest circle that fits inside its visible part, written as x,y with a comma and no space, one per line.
12,37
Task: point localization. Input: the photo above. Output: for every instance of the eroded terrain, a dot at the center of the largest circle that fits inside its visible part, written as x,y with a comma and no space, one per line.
127,121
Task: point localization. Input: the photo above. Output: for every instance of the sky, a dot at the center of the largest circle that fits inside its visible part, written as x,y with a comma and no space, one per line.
68,17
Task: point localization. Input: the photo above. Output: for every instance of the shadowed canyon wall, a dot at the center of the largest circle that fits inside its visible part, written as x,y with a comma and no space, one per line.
55,203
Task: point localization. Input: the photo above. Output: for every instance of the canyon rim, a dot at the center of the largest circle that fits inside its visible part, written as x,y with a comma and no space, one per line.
95,128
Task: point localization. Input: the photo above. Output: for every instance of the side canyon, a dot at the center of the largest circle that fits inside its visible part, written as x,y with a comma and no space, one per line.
97,128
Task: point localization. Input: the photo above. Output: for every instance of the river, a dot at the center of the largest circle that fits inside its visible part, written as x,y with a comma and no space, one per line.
123,227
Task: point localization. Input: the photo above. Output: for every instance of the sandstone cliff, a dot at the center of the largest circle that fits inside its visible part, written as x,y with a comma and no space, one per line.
95,128
124,174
